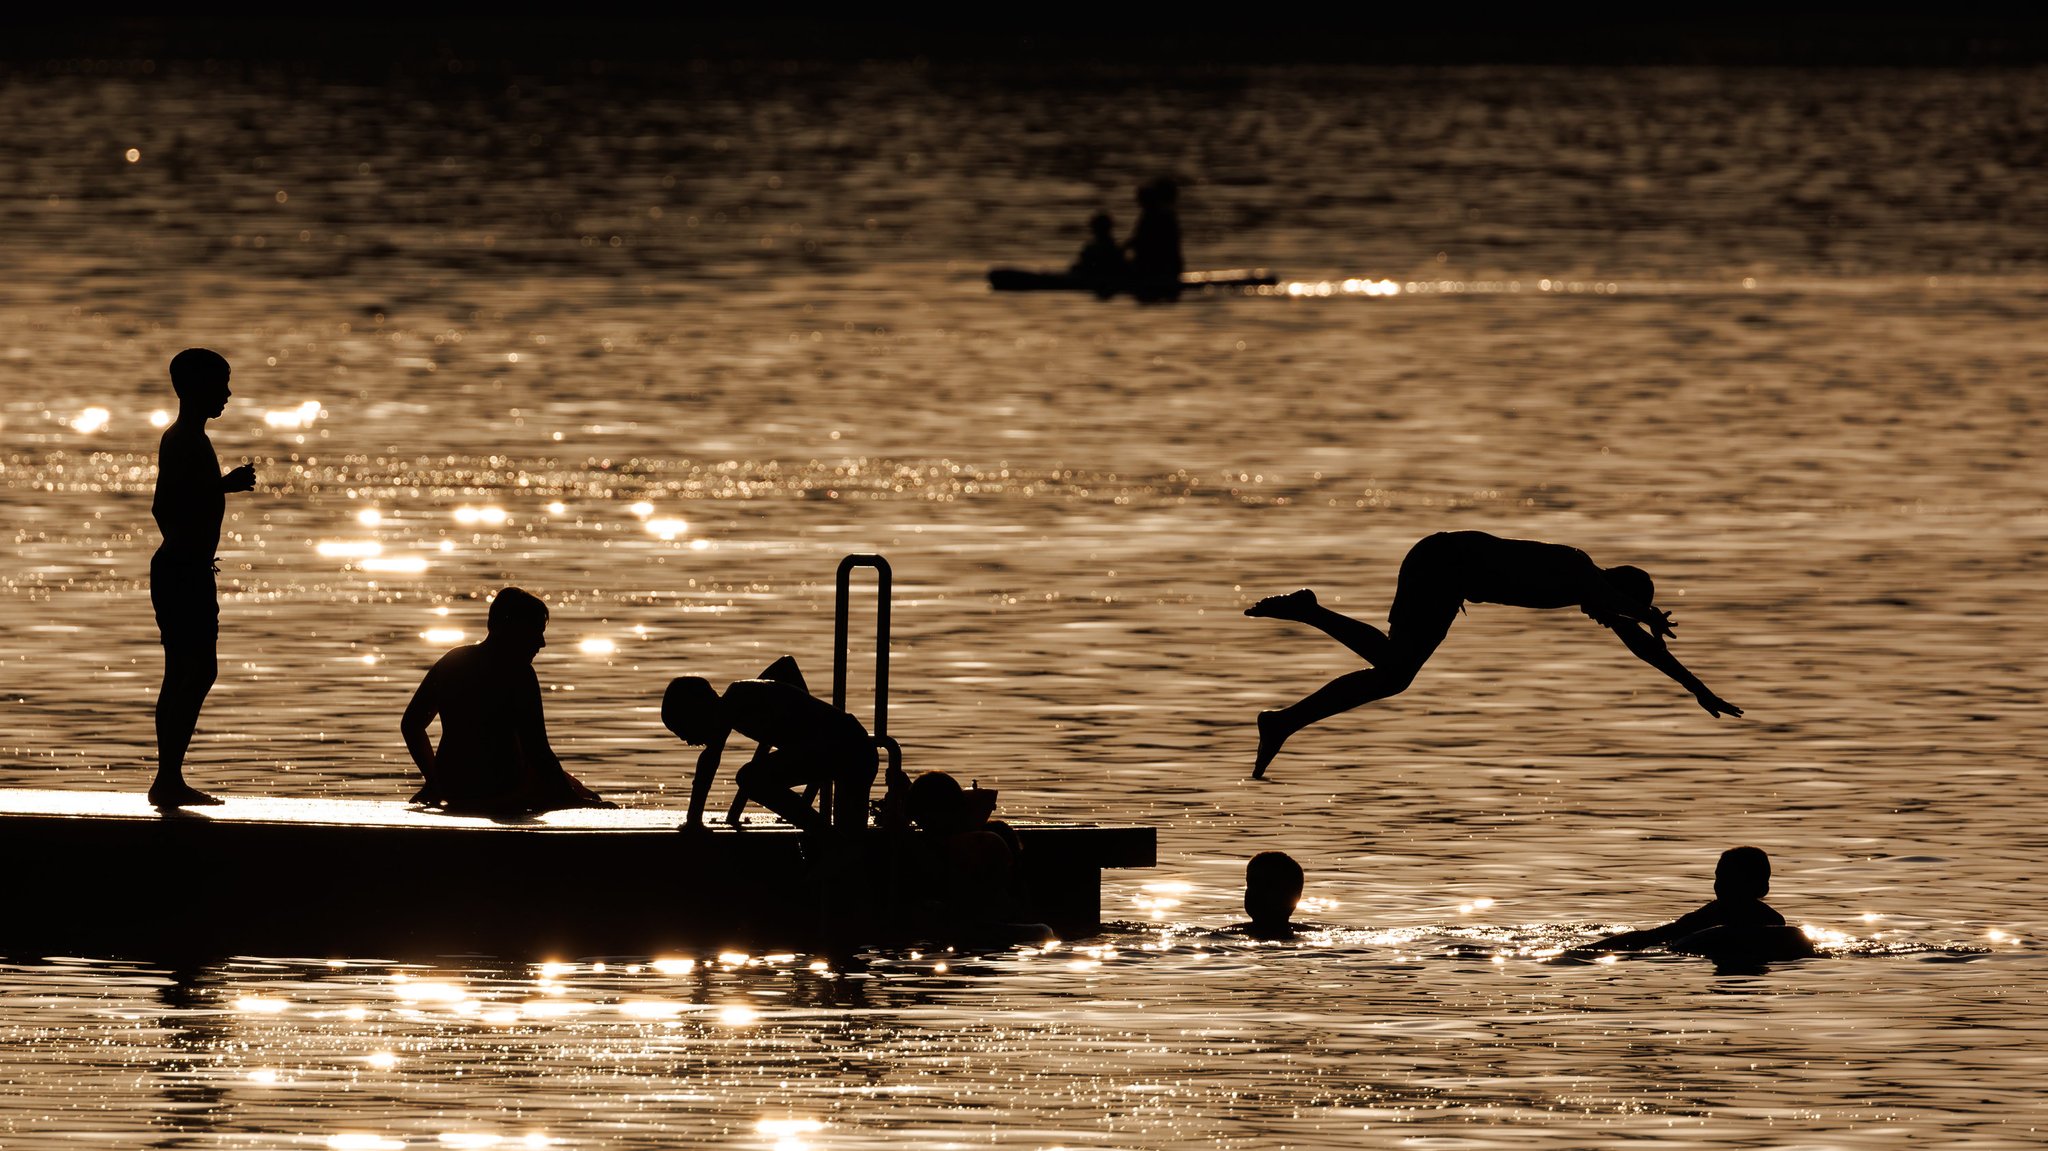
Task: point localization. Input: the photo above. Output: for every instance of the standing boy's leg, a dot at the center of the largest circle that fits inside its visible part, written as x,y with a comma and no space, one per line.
189,619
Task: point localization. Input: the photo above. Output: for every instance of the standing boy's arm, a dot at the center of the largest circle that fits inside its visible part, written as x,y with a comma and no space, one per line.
241,479
1652,651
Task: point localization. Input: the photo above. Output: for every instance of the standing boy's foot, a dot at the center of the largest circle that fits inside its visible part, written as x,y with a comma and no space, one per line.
179,794
1270,739
1289,606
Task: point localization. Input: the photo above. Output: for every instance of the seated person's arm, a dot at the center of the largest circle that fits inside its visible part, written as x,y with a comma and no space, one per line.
425,705
1651,650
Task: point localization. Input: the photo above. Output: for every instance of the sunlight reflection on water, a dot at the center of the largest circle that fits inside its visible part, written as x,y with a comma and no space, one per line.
1652,341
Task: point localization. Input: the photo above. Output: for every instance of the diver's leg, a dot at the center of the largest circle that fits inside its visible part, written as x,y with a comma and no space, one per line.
1365,641
1354,689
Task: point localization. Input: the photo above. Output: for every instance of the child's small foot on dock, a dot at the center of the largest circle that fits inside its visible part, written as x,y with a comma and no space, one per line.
1270,738
179,795
1289,606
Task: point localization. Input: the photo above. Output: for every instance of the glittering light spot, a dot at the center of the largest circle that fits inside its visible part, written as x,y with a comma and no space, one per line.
491,515
643,509
674,966
466,515
355,1142
597,645
369,517
382,1060
258,1005
433,993
442,635
698,545
447,545
159,419
263,1075
650,1009
348,549
557,508
783,1128
469,1139
91,420
667,529
299,417
1608,959
369,661
536,1139
134,155
739,958
737,1015
396,565
553,970
1996,936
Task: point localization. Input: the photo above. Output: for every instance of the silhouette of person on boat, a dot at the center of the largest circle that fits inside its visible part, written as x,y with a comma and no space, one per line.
188,506
800,740
1439,576
494,757
1156,263
1102,258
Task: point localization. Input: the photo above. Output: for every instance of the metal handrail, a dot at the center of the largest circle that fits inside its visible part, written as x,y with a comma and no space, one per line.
885,580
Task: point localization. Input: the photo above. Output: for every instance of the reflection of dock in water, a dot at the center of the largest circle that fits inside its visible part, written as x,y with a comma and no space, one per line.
104,873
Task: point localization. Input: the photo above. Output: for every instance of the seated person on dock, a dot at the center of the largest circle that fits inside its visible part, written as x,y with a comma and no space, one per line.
494,757
1103,257
969,871
1741,880
802,740
1273,883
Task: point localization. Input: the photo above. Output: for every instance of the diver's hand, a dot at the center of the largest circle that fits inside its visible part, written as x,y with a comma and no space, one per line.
1659,623
242,479
1715,705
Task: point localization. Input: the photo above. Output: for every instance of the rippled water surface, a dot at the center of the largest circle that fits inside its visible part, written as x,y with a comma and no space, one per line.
664,346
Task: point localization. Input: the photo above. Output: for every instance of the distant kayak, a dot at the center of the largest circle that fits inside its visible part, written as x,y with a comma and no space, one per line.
1019,280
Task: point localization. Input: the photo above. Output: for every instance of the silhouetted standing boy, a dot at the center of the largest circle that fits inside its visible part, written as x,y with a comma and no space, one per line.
190,502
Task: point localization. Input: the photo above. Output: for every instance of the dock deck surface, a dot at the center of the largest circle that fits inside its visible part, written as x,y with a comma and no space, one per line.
99,872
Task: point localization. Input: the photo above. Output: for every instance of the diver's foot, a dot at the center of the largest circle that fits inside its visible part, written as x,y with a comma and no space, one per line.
1271,736
179,794
1290,606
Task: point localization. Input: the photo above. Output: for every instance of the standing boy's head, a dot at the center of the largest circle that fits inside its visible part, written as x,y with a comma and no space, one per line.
518,620
200,377
1101,226
1272,889
1743,873
689,708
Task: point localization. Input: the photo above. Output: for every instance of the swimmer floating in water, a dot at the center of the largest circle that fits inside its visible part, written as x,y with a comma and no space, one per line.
1742,878
1439,576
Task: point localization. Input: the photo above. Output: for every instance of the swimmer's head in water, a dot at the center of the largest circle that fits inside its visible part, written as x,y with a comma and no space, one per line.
1743,873
1272,888
199,373
1632,582
690,708
518,617
1101,225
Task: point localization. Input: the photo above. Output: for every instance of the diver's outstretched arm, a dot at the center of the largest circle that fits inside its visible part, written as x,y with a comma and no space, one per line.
1651,650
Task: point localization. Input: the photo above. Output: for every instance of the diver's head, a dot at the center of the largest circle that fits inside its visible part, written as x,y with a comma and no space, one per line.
1633,583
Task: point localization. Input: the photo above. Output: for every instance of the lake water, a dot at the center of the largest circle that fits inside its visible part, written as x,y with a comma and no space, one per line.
663,345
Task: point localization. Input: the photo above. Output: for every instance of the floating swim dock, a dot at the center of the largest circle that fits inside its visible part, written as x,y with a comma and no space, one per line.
104,873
